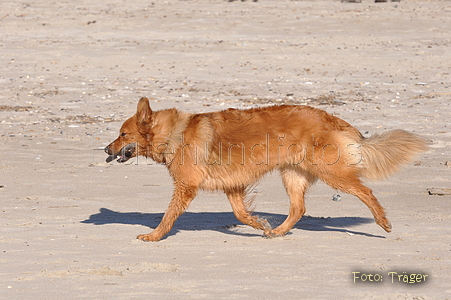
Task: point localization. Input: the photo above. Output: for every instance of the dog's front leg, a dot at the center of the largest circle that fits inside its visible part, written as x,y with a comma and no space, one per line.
236,197
183,195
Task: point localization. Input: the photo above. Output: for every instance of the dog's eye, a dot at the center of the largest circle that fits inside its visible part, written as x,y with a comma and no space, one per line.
123,134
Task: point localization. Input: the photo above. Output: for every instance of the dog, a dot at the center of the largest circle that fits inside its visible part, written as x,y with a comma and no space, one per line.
231,150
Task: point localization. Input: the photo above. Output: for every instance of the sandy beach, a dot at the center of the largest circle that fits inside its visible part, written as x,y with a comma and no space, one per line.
73,71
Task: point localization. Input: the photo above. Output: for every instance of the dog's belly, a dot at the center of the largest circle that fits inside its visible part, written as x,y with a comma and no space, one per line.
227,177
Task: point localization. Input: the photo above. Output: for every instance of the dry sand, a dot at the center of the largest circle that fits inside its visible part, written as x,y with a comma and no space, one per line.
72,72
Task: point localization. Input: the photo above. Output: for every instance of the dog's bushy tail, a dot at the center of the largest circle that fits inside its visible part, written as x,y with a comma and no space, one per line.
384,154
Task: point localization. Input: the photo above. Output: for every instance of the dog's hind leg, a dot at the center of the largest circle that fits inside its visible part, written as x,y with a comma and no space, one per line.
351,184
296,183
183,195
237,197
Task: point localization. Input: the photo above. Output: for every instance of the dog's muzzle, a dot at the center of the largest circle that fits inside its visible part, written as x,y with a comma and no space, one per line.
124,154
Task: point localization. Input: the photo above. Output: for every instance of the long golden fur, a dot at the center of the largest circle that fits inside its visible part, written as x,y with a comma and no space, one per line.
231,150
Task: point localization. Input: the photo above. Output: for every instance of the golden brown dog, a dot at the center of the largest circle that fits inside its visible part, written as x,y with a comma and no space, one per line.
231,150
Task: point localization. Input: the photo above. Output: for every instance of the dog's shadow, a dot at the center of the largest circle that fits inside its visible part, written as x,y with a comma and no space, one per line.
226,222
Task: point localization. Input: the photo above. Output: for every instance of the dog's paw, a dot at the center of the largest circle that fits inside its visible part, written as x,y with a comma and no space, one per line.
269,234
148,238
385,224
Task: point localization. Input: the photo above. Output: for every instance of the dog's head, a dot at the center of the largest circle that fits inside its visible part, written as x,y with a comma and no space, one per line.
135,135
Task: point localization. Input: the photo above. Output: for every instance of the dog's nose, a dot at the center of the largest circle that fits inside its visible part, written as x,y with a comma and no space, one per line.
108,150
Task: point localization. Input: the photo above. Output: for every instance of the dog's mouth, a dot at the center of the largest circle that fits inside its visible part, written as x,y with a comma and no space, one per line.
124,154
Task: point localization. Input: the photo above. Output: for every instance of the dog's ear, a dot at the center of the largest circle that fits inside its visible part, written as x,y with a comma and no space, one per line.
144,113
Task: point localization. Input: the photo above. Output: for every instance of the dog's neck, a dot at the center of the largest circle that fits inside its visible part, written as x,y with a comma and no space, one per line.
168,126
